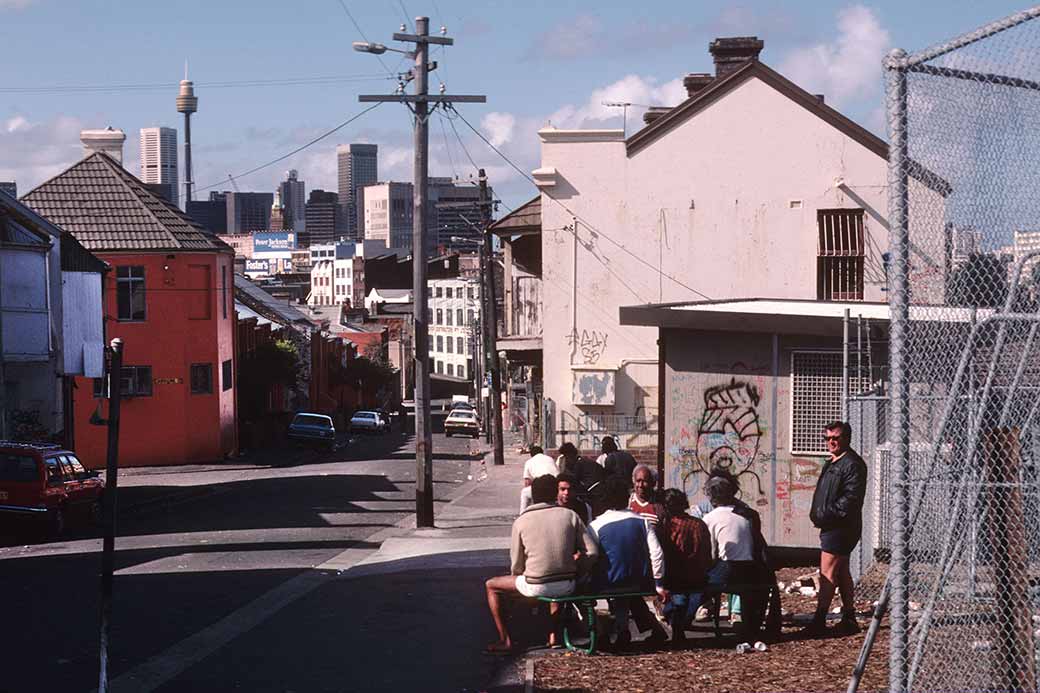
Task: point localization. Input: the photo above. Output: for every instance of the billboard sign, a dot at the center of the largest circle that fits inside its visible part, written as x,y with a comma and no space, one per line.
258,267
274,241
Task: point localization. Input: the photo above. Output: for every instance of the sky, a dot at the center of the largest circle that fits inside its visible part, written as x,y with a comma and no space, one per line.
74,64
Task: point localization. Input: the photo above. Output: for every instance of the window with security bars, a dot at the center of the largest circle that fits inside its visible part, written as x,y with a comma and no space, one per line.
840,255
815,398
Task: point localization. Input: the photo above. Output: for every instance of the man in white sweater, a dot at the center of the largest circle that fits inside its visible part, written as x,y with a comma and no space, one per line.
539,464
549,546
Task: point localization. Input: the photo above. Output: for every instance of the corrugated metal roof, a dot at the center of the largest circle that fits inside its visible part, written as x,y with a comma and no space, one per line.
262,302
108,209
527,218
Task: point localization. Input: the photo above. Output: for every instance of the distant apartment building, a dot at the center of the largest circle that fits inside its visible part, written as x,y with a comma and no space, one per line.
454,213
322,218
334,272
454,306
241,242
211,213
1026,243
294,202
9,187
388,214
248,211
357,167
158,157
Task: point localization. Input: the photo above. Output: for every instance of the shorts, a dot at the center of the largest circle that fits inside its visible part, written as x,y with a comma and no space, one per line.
559,588
840,541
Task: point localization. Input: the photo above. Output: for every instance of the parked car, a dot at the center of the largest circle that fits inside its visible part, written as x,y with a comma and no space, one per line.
460,404
44,481
313,428
461,421
366,421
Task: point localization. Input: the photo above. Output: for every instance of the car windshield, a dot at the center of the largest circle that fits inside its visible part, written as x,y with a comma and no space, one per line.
364,415
463,415
312,420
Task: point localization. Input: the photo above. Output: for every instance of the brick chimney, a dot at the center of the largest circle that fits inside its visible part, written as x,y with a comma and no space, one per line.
731,53
655,112
696,81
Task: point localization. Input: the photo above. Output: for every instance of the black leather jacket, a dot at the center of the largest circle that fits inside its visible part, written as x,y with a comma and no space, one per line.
838,500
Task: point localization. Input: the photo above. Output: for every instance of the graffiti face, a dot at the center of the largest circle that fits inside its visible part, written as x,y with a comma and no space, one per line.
729,434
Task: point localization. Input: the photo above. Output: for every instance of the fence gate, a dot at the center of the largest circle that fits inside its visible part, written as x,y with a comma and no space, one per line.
964,265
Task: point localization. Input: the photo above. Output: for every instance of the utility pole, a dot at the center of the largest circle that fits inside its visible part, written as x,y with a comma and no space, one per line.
108,508
421,112
491,333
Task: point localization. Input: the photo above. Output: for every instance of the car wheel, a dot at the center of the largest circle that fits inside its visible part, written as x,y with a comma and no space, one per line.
447,434
56,520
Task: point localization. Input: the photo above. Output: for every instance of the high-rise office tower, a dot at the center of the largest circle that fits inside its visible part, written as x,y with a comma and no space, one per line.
323,212
454,212
357,167
248,211
388,214
211,213
294,202
159,161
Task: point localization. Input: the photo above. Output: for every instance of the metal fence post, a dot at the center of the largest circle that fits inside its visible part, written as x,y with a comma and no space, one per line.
898,294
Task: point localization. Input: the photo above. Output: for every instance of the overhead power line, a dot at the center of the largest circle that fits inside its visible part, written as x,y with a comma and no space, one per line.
165,86
283,157
362,33
576,216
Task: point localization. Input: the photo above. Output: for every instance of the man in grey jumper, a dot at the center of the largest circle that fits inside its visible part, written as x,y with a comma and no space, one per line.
549,546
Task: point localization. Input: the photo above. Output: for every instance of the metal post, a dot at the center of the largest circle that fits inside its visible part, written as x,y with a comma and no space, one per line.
845,366
491,334
485,363
109,506
187,160
899,295
423,434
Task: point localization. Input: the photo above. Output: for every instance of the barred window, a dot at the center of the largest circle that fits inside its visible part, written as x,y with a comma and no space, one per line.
840,255
815,398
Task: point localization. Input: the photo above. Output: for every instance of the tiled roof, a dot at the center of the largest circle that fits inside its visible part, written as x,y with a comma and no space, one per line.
526,218
108,209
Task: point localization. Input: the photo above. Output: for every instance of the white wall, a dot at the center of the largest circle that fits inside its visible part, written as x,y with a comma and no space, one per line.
83,324
705,207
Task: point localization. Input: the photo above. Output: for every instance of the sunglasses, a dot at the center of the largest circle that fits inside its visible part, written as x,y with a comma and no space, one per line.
837,437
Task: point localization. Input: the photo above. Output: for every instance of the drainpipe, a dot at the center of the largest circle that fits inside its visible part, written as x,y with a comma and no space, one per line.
574,289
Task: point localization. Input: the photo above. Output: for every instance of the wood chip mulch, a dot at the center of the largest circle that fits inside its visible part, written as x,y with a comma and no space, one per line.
812,665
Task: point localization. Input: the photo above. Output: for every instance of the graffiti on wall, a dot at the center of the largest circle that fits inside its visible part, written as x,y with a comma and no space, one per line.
728,434
589,344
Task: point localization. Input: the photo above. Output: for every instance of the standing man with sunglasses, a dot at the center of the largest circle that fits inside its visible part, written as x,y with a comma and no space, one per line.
837,509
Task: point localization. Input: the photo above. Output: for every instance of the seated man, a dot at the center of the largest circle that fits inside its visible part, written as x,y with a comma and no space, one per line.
631,560
566,496
641,502
548,546
687,557
737,551
587,472
537,465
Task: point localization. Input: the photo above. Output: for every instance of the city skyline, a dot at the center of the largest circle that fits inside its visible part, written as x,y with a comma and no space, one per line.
258,109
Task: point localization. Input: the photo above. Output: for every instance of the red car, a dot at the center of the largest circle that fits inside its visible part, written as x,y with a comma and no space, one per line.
47,482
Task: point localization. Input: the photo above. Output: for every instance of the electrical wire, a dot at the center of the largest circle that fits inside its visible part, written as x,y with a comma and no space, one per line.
362,34
163,86
447,149
404,13
317,139
585,223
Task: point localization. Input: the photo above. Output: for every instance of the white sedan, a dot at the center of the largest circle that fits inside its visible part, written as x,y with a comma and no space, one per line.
461,421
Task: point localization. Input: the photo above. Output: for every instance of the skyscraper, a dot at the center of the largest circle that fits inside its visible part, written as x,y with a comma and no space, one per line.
294,201
388,214
248,211
212,213
159,160
357,166
323,211
454,211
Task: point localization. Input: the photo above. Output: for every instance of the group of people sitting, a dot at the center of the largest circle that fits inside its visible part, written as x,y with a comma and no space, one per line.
599,528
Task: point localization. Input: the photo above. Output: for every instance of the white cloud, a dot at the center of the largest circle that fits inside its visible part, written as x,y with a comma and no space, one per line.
638,91
847,68
499,127
36,151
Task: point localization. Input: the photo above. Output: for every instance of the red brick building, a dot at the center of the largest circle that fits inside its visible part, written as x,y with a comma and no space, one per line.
169,297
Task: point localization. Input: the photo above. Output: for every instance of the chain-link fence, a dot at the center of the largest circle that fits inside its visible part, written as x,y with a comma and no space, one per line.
964,210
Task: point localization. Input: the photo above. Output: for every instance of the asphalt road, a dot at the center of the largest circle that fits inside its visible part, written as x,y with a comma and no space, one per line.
205,556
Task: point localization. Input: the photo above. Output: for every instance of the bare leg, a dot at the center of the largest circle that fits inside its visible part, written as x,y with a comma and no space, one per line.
555,609
830,571
499,588
846,587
